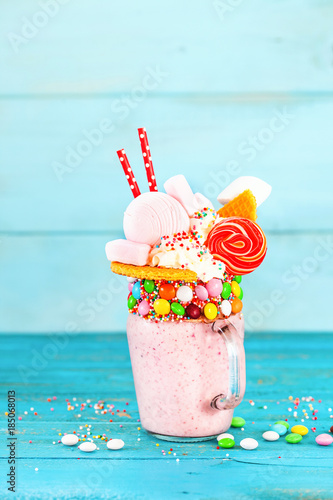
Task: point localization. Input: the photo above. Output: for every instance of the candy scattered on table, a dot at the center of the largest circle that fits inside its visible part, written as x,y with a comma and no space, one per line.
324,439
271,436
283,422
300,429
237,422
280,429
69,439
293,438
249,444
87,446
225,435
226,443
115,444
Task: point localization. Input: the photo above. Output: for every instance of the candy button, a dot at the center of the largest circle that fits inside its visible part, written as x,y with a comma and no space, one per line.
235,288
324,439
177,309
131,302
240,296
210,310
162,307
271,436
167,291
283,422
149,285
87,446
226,443
136,291
130,286
236,305
225,435
249,444
143,308
238,279
214,287
201,292
184,293
293,438
237,422
300,429
280,429
193,311
226,308
226,290
69,439
115,444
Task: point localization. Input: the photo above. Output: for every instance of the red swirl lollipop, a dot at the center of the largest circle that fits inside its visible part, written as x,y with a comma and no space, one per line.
238,242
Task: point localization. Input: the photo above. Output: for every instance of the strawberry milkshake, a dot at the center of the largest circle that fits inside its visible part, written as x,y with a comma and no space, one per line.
184,262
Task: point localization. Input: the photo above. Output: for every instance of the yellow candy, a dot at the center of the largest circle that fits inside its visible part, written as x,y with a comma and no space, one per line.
210,310
235,288
162,307
300,429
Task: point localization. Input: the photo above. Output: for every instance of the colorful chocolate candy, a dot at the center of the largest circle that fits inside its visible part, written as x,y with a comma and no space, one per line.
238,242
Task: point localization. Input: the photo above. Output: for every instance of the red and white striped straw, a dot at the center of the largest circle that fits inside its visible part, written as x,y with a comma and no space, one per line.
128,172
147,159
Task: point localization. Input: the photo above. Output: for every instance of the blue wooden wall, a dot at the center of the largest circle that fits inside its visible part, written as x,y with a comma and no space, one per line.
209,80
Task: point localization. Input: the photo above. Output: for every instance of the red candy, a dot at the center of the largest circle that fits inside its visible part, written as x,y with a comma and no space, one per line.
193,311
167,291
238,242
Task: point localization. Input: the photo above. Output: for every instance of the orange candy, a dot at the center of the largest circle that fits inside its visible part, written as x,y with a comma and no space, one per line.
237,305
167,291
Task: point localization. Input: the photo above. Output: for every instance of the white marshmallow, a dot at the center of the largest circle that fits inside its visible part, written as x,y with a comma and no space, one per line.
259,188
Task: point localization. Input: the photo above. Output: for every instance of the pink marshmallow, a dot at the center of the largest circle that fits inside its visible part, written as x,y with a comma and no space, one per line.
179,188
153,215
127,252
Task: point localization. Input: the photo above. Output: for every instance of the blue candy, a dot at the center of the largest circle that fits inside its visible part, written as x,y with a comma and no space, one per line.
136,292
279,428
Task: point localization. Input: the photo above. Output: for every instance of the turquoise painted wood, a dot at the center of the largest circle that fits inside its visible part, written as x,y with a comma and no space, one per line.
97,367
207,83
257,46
56,283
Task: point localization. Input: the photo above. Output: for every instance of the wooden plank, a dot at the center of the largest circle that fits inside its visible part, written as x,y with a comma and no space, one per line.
54,283
140,470
88,50
36,195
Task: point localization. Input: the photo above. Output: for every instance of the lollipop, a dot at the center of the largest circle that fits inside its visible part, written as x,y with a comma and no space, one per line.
238,242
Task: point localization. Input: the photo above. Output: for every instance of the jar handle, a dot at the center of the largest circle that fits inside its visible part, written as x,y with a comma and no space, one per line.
235,350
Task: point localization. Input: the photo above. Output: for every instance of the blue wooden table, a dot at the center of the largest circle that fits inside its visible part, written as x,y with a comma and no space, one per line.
90,368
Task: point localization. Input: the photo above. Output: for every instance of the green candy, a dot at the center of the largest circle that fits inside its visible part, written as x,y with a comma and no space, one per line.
177,309
293,438
237,422
238,279
240,296
226,291
149,285
226,443
131,302
282,422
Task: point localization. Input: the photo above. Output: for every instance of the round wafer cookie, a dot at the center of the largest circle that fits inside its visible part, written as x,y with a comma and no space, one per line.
153,273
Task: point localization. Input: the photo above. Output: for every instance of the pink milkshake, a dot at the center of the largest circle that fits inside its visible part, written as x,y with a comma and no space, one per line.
184,262
179,371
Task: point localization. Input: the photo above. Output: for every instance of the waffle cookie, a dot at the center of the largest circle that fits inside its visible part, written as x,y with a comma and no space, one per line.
153,273
244,205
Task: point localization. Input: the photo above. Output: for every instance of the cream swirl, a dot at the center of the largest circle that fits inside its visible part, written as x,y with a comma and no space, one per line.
183,251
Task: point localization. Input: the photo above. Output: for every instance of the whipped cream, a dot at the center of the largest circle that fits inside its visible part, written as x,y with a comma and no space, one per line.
184,251
201,223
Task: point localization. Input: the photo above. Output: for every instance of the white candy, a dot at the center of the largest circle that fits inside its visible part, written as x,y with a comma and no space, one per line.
184,293
200,201
249,444
224,436
131,280
271,436
226,308
178,187
69,439
115,444
87,446
259,188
